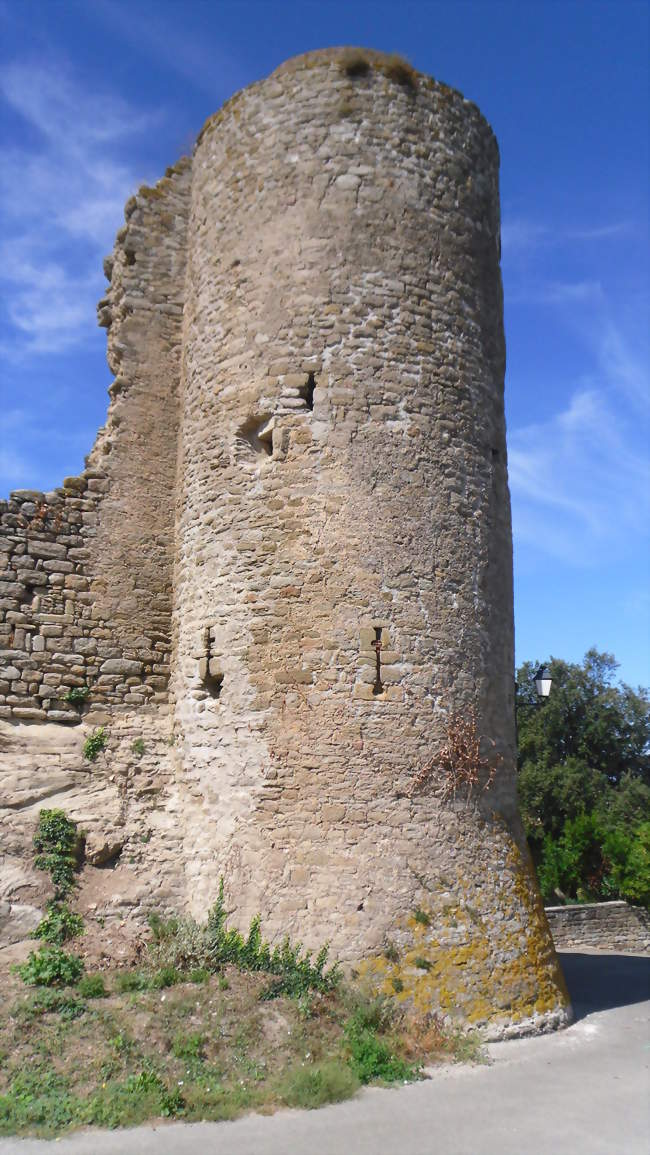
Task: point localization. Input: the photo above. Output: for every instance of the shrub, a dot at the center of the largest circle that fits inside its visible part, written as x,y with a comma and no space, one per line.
183,945
51,966
138,746
95,743
178,942
57,845
59,924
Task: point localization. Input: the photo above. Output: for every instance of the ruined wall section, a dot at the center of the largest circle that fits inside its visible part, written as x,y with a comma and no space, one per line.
86,570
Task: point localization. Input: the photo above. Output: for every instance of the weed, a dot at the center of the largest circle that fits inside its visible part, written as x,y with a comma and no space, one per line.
77,695
202,975
92,987
128,981
421,917
224,985
391,952
423,964
51,966
188,1046
95,743
122,1044
59,924
313,1086
49,1002
460,765
397,984
398,69
371,1057
138,747
167,976
305,1006
293,967
354,63
185,945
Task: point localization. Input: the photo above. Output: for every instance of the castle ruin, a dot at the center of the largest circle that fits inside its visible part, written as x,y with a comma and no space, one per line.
286,571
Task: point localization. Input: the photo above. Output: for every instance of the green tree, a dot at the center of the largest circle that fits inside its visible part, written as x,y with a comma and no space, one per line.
584,779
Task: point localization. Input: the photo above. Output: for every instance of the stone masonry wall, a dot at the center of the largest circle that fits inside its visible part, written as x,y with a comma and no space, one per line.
342,484
85,584
306,421
601,926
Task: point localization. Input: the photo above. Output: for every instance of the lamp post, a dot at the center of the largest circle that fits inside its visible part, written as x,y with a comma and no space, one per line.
543,682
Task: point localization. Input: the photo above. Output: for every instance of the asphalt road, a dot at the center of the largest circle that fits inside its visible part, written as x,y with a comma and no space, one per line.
582,1091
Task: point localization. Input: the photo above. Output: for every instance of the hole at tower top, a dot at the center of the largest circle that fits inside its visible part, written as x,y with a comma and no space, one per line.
257,434
307,391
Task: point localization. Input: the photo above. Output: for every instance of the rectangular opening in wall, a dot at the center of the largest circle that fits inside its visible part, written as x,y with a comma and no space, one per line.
307,391
378,687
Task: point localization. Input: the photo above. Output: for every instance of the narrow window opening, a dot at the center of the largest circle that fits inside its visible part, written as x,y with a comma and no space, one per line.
209,668
307,391
378,687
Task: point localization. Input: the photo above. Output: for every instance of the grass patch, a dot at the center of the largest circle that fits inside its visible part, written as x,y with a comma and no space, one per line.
196,1051
92,987
211,1024
47,1002
314,1086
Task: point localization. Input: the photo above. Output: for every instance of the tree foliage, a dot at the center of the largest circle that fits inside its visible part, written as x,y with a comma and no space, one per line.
584,780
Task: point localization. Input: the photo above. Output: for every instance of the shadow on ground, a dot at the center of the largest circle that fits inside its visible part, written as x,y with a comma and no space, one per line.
598,982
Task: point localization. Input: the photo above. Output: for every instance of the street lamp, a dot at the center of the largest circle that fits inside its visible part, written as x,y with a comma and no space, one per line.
543,681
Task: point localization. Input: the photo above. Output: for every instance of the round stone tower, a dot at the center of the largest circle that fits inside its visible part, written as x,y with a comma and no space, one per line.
343,623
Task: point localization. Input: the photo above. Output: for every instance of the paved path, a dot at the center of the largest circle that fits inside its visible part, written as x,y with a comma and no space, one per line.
583,1091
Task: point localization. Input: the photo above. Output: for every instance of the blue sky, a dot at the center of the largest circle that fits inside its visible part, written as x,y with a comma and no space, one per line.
97,96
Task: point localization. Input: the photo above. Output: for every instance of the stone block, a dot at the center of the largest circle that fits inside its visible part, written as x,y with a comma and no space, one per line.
123,666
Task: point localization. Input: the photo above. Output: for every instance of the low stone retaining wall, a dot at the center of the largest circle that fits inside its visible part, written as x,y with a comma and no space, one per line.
604,925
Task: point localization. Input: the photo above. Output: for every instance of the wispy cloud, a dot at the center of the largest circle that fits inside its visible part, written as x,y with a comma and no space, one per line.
169,38
61,199
30,438
520,234
580,480
580,487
